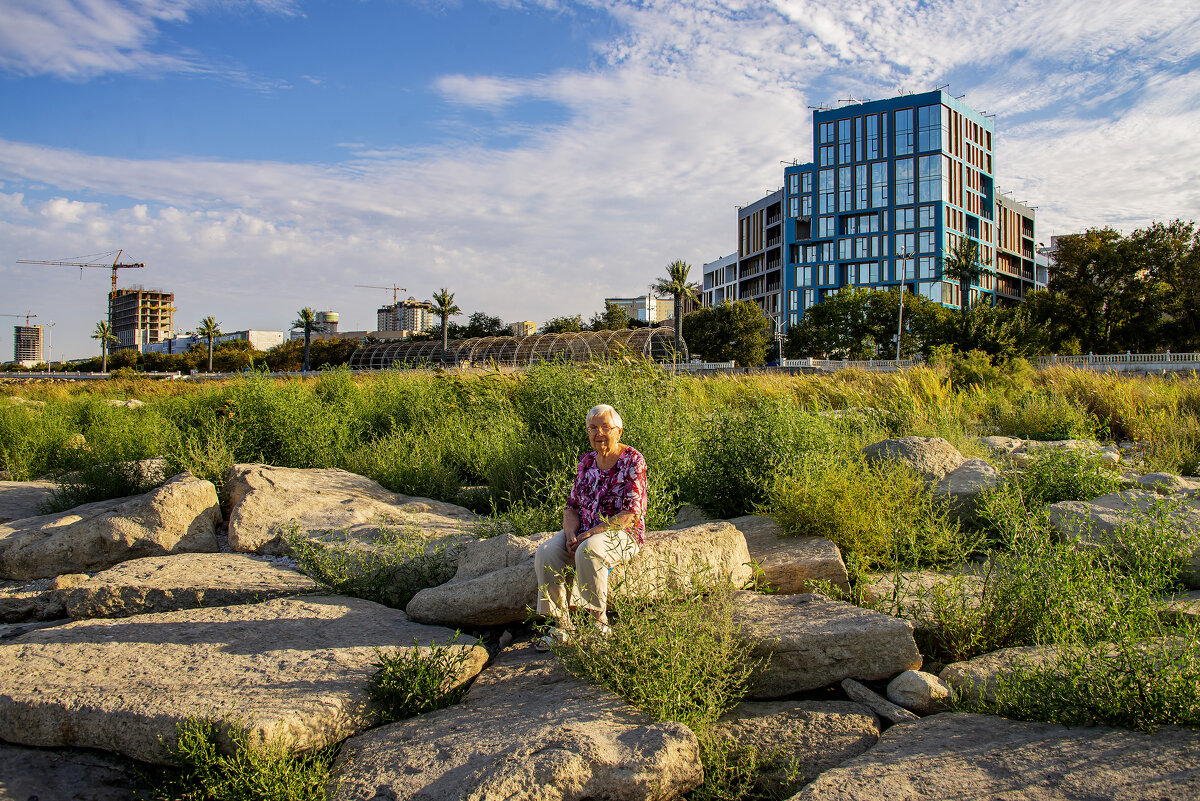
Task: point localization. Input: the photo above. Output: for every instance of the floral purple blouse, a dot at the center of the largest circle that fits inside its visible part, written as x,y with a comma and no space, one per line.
599,494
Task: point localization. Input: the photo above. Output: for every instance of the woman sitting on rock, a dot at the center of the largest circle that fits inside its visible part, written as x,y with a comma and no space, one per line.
603,525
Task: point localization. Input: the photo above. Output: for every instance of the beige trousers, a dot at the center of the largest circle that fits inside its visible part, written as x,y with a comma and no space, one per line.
592,561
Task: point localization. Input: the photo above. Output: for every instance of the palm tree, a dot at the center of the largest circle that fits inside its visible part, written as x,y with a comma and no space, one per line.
306,318
104,333
443,306
676,285
210,329
964,263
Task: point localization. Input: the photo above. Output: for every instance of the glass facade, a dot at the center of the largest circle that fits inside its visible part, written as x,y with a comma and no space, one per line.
892,179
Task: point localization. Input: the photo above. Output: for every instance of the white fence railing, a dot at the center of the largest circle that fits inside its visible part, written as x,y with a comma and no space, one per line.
1117,359
871,365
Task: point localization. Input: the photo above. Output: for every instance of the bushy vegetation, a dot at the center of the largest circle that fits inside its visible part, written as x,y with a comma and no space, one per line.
415,680
220,762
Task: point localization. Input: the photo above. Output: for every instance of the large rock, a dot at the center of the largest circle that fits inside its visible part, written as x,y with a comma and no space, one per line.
267,502
20,499
30,774
794,741
931,457
181,516
495,584
1181,609
980,758
961,489
813,642
526,730
292,670
909,592
1169,484
183,581
1099,522
979,680
791,565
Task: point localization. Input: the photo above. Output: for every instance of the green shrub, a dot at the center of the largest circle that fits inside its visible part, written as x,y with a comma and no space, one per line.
221,763
389,567
734,771
1058,474
411,681
880,514
1046,415
408,463
99,482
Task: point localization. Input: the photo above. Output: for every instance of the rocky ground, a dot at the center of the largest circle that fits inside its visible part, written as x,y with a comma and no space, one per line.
123,618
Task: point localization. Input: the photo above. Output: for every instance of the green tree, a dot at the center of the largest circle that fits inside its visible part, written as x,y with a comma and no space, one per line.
1168,257
307,319
443,307
209,329
676,285
482,324
613,318
731,331
562,325
964,264
103,332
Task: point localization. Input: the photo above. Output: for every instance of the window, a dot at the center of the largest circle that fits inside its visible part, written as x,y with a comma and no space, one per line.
872,139
906,269
879,183
904,219
824,227
929,128
845,247
860,186
925,214
925,242
904,132
825,155
845,189
860,247
793,299
793,206
858,138
925,266
825,133
794,183
825,185
929,178
806,182
827,251
843,141
803,276
904,181
906,244
805,205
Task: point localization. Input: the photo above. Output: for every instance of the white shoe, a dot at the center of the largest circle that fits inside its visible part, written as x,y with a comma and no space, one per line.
554,636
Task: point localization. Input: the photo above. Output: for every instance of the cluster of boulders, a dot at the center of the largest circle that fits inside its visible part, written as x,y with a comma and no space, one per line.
124,618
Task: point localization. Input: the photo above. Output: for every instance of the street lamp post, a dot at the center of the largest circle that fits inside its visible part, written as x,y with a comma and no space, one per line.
50,347
900,259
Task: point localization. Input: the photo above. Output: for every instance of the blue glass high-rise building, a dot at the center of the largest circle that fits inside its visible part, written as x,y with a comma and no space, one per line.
892,185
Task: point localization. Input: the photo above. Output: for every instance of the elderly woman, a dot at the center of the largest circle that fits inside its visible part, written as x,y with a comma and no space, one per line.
603,525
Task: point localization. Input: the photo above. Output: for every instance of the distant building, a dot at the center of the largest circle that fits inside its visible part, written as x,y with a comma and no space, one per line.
524,328
644,308
140,317
328,321
407,315
760,254
27,345
720,280
259,340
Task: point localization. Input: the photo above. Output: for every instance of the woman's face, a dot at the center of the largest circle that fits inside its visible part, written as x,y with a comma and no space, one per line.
603,435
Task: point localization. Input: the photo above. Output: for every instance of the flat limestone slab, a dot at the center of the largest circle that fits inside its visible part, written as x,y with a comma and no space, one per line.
981,757
19,499
814,642
265,502
183,581
32,773
791,565
292,668
179,517
526,730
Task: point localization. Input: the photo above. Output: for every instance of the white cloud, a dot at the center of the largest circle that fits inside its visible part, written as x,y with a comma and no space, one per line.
692,110
80,39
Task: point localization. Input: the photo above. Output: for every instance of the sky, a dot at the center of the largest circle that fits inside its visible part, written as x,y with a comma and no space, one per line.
532,156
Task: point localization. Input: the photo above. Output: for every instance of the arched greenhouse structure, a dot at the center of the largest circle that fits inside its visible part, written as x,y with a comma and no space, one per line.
650,343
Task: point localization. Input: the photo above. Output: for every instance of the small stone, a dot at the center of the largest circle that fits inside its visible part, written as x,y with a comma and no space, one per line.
930,457
923,693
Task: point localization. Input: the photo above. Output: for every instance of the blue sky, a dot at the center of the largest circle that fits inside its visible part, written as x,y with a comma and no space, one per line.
534,157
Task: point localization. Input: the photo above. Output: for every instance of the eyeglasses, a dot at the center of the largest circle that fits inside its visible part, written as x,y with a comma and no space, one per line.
600,429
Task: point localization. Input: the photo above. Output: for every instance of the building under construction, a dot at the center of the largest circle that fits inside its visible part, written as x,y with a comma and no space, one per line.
657,344
27,345
140,317
406,315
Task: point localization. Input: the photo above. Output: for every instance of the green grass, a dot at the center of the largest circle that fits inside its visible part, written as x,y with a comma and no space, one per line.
414,680
220,763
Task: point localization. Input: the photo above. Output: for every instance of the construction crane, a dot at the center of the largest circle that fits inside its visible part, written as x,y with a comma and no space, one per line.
114,266
395,289
26,315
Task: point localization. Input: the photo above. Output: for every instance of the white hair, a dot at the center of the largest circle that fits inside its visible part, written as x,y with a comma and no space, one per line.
605,409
